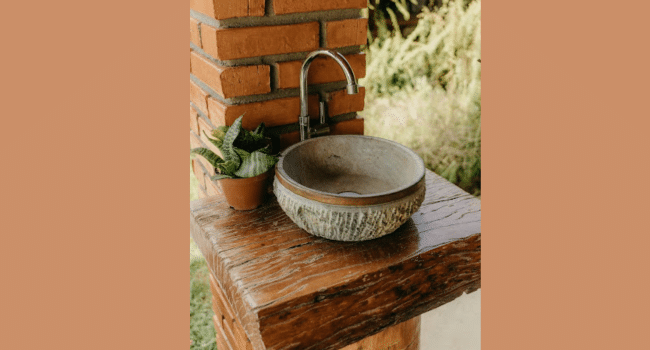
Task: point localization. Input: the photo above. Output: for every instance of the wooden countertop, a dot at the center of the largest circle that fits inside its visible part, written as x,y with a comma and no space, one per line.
292,290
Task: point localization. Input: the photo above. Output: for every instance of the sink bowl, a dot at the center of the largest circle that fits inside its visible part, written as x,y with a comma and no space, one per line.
349,187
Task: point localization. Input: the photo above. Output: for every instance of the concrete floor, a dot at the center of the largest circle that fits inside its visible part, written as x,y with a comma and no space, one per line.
453,326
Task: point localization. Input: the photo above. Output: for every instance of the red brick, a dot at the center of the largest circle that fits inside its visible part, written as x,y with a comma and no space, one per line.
195,38
293,6
222,9
211,188
202,193
273,112
195,142
204,127
199,173
289,139
348,127
349,32
282,111
232,81
216,112
322,70
233,43
340,102
194,126
199,97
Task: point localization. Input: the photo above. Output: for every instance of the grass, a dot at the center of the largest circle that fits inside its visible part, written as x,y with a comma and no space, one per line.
202,331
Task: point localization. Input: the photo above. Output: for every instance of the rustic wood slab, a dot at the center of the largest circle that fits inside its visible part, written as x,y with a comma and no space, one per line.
292,290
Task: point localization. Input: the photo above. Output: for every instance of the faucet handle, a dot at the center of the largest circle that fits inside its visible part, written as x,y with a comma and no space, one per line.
322,108
322,128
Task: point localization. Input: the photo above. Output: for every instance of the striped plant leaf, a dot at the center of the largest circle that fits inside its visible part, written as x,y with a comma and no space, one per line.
227,147
242,154
236,144
260,129
210,156
256,164
265,150
216,142
220,132
250,141
228,167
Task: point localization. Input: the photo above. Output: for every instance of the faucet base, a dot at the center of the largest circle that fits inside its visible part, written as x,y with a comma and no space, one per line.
319,130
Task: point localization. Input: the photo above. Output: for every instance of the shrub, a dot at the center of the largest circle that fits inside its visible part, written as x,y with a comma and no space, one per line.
444,48
424,91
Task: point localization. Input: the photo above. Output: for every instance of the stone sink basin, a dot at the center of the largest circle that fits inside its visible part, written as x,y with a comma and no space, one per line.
349,187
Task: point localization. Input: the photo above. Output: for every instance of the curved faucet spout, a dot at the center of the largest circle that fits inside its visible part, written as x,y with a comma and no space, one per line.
352,87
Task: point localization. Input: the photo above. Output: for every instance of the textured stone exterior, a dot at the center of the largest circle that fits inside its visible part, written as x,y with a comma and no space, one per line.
347,223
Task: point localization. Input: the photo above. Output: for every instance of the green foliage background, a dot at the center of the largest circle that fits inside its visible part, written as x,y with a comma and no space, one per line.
424,90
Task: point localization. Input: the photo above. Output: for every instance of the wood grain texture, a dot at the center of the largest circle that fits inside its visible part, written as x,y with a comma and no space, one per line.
292,290
403,336
222,342
229,322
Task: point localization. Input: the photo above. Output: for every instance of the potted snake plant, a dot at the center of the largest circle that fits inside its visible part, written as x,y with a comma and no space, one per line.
245,168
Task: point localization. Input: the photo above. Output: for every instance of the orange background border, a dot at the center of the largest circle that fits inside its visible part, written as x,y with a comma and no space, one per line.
565,168
94,205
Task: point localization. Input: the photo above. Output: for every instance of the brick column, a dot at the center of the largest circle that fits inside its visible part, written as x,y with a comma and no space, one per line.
246,55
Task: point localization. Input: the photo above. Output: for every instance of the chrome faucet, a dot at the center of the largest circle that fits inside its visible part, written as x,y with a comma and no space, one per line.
305,130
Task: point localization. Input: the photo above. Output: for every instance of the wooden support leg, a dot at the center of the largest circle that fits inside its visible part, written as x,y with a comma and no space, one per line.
231,336
403,336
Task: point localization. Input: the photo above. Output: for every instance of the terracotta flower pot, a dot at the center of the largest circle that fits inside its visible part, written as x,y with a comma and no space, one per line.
246,194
